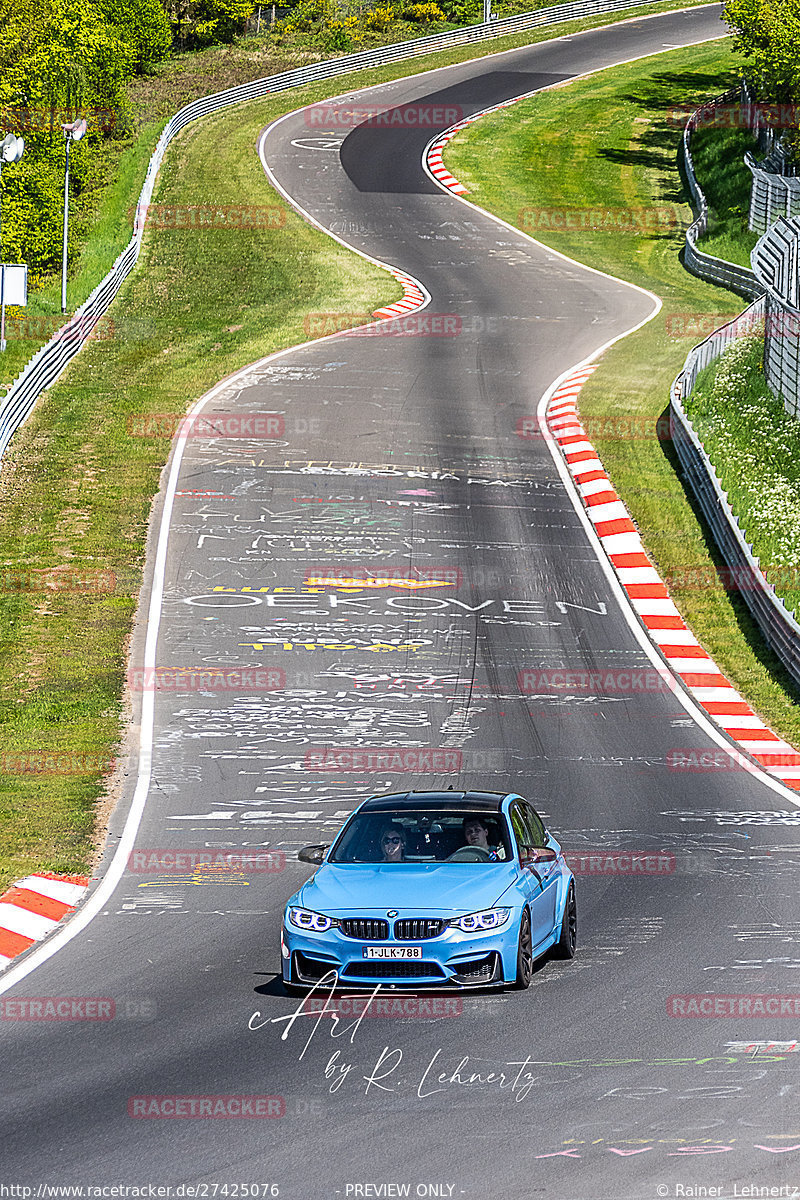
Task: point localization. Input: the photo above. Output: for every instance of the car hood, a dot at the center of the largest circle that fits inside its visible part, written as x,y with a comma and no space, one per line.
423,888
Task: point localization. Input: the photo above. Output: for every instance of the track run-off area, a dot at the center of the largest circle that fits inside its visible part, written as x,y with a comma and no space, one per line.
394,456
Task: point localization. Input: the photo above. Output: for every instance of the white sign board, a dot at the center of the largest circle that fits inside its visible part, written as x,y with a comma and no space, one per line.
14,283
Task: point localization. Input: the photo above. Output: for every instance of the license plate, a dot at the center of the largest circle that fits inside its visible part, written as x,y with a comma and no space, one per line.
392,951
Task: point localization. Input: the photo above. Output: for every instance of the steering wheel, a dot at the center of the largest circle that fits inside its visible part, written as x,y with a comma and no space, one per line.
470,854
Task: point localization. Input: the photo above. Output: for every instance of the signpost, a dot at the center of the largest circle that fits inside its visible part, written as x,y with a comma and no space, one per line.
13,290
13,276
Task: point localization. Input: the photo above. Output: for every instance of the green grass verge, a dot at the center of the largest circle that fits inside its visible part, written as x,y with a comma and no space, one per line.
607,143
755,448
718,156
76,489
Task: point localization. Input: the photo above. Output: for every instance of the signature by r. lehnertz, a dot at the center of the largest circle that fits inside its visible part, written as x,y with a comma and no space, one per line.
391,1071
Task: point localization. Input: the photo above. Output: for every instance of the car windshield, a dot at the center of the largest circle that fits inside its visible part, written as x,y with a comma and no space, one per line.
424,836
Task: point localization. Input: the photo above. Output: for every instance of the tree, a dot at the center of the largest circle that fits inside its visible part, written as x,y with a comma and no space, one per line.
60,60
144,27
768,36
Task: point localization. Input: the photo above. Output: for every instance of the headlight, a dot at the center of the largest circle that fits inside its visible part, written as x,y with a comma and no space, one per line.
489,918
304,918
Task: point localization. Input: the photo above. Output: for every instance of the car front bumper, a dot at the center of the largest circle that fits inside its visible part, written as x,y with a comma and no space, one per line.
451,960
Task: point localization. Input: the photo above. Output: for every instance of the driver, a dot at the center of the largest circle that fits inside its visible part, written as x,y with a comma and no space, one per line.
476,833
393,843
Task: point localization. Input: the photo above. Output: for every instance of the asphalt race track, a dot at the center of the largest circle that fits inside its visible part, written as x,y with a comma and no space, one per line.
393,452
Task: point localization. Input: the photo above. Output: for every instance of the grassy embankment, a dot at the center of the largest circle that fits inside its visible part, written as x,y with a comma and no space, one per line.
608,143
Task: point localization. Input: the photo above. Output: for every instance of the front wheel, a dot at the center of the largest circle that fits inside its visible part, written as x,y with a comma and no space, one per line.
565,946
524,954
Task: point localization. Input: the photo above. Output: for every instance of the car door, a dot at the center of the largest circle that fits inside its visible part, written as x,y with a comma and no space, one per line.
548,873
541,877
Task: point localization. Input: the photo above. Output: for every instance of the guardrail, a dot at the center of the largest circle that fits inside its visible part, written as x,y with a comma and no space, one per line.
777,624
775,264
50,360
706,266
773,194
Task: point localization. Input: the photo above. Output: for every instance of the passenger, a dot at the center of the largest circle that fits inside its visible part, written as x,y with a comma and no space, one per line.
476,833
393,844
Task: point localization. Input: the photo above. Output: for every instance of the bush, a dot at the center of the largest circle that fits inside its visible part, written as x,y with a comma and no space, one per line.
335,37
423,14
144,27
202,22
380,18
305,15
462,12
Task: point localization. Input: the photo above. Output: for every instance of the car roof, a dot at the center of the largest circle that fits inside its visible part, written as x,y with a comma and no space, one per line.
477,801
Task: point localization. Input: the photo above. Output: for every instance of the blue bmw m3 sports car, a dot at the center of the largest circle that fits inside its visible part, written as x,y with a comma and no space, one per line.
438,889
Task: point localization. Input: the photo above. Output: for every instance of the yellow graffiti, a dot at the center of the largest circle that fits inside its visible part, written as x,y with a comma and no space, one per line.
200,875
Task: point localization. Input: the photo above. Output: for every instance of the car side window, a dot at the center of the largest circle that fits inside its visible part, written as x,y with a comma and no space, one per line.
536,826
522,835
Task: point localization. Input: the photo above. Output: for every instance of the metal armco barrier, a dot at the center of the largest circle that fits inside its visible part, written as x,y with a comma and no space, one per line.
778,626
48,362
773,194
706,266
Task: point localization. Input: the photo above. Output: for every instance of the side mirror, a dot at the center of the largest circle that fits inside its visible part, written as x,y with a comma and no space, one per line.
312,854
537,856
